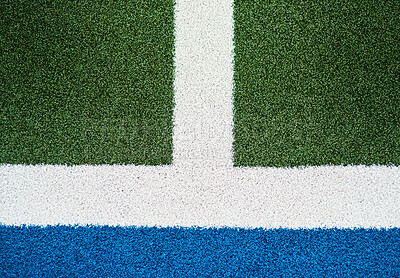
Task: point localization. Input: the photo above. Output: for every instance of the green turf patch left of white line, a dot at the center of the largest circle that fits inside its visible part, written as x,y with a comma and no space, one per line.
86,83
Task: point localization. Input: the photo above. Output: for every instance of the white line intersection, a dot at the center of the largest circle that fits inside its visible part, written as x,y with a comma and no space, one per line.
201,188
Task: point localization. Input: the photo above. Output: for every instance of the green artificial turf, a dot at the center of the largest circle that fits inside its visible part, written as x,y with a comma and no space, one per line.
316,82
86,82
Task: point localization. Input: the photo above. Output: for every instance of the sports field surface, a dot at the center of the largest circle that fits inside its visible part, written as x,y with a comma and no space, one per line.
317,83
199,138
87,82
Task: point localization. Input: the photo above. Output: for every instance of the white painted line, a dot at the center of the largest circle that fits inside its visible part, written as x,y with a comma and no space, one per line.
201,188
176,196
203,117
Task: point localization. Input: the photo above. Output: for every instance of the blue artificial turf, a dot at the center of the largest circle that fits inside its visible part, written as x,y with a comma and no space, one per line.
95,251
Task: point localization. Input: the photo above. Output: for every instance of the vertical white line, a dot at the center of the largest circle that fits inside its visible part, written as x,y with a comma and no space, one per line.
203,83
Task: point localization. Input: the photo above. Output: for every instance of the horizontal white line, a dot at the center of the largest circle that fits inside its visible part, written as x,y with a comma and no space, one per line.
328,196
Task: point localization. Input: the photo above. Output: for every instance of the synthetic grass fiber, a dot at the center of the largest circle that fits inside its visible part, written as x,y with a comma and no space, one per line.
92,82
86,82
177,252
316,82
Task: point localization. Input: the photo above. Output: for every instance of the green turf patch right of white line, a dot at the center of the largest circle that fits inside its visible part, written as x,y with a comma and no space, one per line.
316,83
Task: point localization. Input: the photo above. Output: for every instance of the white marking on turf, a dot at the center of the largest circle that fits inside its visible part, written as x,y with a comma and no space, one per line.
203,84
201,188
174,196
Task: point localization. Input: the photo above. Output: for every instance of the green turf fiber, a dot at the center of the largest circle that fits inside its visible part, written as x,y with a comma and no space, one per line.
86,82
316,82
